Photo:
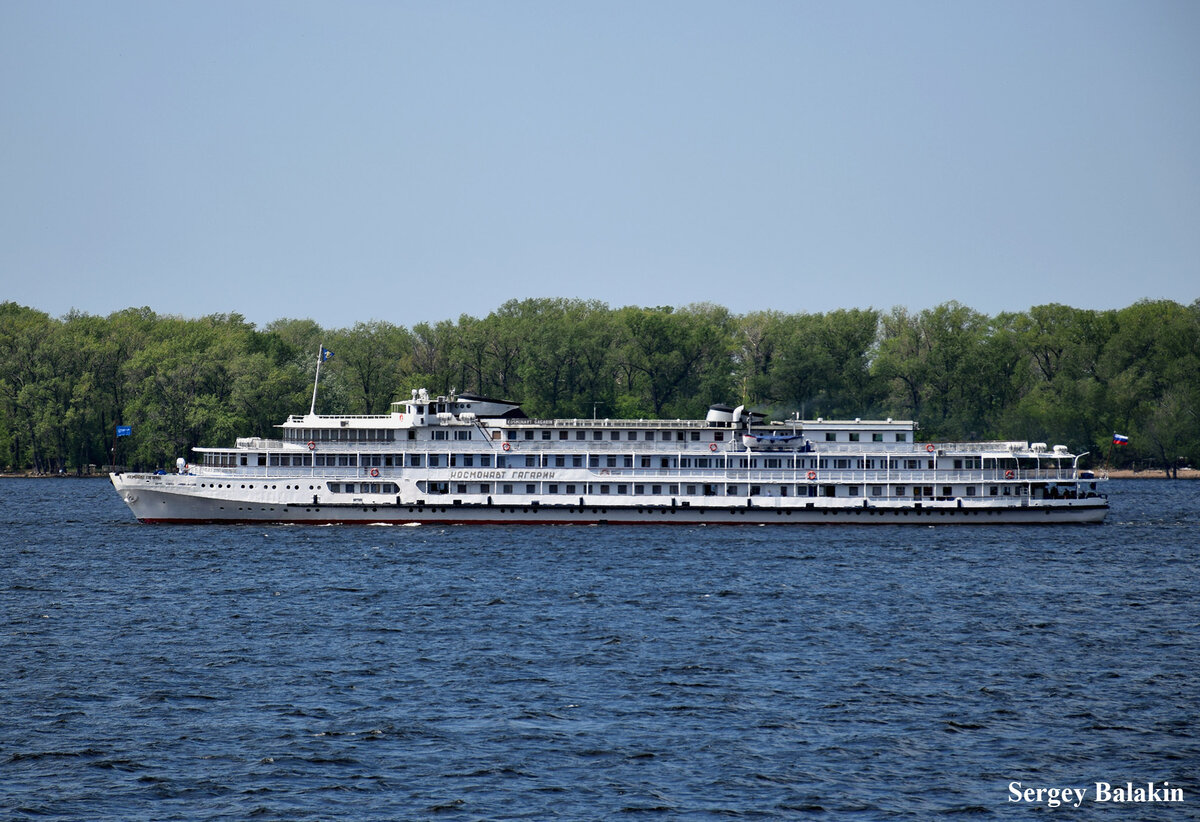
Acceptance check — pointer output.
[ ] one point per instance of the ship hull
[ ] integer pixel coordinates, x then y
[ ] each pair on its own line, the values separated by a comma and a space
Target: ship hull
182, 505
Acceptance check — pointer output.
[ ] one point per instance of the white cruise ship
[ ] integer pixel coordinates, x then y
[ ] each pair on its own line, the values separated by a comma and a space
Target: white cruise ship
467, 459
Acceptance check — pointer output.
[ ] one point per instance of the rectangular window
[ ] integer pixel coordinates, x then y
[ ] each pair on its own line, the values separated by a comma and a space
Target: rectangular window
830, 436
462, 435
507, 489
434, 460
439, 435
649, 436
853, 436
562, 435
718, 436
552, 488
899, 490
528, 435
853, 490
877, 438
614, 435
902, 438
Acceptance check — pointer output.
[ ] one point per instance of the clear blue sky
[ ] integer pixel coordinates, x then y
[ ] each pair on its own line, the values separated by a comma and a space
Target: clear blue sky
411, 162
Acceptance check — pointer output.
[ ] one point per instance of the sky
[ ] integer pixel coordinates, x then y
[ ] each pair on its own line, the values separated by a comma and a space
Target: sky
415, 161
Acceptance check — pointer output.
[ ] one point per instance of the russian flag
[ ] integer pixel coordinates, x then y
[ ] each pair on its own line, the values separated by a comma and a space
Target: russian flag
1120, 439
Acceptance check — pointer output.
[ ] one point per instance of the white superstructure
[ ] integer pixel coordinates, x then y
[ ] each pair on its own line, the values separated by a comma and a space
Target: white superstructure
470, 459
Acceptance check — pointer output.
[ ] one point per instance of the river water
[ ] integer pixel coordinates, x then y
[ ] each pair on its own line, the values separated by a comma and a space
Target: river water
884, 672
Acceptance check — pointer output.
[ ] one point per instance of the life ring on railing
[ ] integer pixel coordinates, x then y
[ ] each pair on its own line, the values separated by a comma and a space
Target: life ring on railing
712, 446
506, 447
1008, 474
931, 448
374, 472
812, 475
312, 446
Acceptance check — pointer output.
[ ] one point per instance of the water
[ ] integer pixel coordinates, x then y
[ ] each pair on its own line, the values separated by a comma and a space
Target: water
157, 673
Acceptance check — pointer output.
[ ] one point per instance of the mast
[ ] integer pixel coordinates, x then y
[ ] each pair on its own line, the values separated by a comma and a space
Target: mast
322, 355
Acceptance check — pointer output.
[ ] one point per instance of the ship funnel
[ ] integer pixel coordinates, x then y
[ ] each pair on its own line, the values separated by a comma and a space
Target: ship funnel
719, 413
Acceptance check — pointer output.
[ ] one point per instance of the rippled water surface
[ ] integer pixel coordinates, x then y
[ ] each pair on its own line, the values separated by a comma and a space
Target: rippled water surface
902, 672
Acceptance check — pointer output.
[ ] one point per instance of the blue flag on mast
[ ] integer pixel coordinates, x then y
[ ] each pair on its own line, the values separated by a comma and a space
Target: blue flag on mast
325, 353
124, 430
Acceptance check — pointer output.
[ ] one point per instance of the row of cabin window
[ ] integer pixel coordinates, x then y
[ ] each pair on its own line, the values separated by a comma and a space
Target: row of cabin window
710, 490
615, 436
389, 435
228, 460
340, 434
856, 436
364, 488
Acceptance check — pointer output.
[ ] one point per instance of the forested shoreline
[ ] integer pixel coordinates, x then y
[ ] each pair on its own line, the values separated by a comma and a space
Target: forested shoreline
1053, 373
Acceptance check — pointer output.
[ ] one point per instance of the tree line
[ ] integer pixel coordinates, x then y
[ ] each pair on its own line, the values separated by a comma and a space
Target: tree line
1052, 373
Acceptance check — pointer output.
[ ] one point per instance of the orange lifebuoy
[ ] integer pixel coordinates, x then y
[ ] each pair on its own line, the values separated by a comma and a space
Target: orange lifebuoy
312, 446
374, 472
712, 446
507, 447
931, 448
1008, 474
812, 475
